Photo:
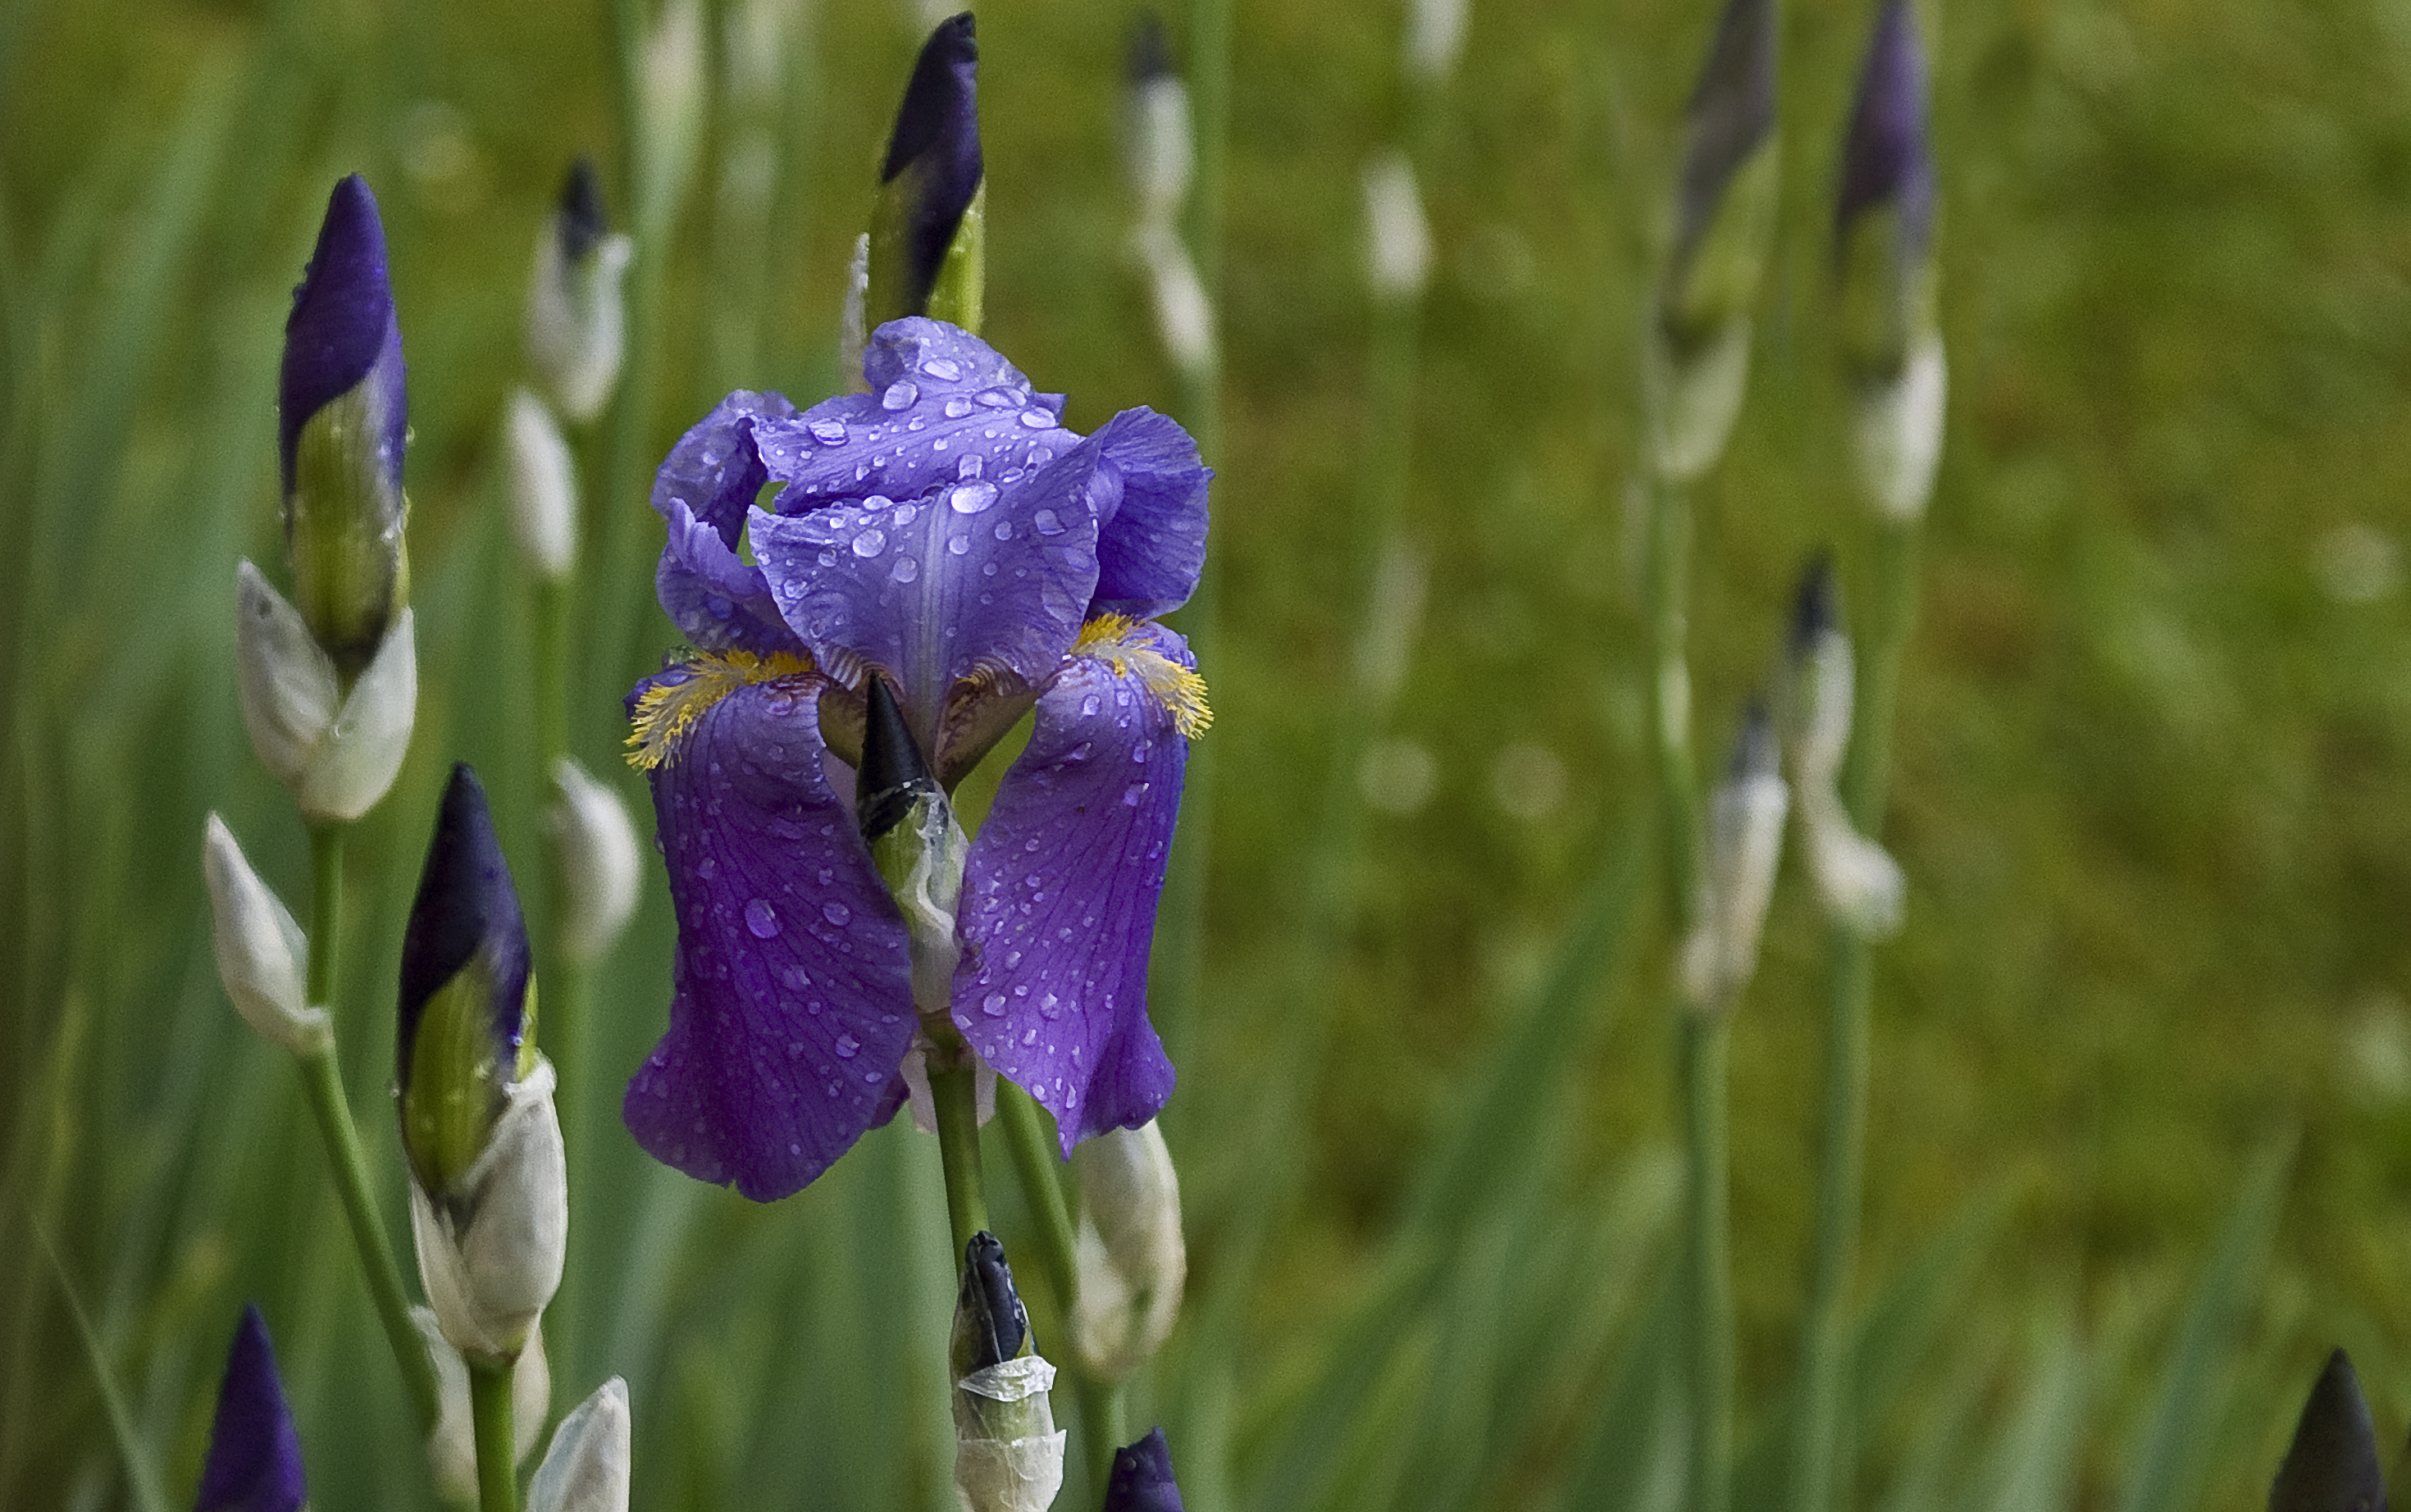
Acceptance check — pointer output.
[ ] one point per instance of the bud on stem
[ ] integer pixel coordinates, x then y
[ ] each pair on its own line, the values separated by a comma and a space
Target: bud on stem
926, 231
1008, 1452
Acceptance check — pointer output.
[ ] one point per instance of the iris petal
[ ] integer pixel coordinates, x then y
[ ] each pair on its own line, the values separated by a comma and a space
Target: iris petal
791, 995
1151, 548
703, 490
1060, 887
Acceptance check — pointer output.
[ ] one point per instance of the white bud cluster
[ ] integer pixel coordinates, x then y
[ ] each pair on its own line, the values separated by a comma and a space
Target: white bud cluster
262, 954
335, 752
490, 1252
1132, 1259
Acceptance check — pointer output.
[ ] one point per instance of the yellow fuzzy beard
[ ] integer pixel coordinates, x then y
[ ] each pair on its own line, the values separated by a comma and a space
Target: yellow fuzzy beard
1107, 638
667, 712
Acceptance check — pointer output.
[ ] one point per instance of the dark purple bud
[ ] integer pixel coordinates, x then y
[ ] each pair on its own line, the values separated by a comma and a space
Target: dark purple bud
1150, 51
342, 330
933, 165
1886, 158
581, 218
1816, 606
893, 776
255, 1462
1142, 1480
1732, 114
2332, 1465
990, 1326
463, 931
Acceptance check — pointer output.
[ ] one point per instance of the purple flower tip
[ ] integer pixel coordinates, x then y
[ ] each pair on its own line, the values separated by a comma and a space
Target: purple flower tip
1151, 51
255, 1462
581, 219
2333, 1465
937, 138
467, 909
1816, 605
1887, 155
1142, 1480
342, 328
1733, 111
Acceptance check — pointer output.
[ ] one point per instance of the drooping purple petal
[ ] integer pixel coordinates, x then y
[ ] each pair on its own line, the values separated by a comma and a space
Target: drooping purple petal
791, 1006
703, 491
943, 408
933, 588
1151, 547
255, 1463
1886, 156
1060, 887
342, 329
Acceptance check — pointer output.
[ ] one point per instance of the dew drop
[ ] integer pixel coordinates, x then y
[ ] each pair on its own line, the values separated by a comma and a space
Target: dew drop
969, 467
848, 1047
836, 913
1091, 707
870, 543
1037, 419
905, 570
945, 369
999, 398
900, 395
993, 1005
1047, 522
828, 432
958, 407
971, 496
958, 545
707, 868
1132, 793
762, 918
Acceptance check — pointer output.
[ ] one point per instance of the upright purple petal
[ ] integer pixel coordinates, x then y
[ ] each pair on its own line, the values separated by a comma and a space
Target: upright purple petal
342, 329
1887, 156
255, 1462
1152, 546
1060, 887
967, 576
703, 491
791, 998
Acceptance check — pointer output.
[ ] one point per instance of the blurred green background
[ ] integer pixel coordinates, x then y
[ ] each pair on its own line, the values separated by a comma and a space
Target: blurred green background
2153, 786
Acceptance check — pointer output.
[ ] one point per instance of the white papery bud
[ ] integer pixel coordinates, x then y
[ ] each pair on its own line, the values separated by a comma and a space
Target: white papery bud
1745, 816
1398, 244
336, 753
586, 1469
577, 321
489, 1254
852, 328
600, 865
1858, 883
1021, 1474
452, 1448
1899, 433
1823, 687
1184, 316
262, 953
543, 488
1161, 153
1132, 1259
1694, 397
1435, 36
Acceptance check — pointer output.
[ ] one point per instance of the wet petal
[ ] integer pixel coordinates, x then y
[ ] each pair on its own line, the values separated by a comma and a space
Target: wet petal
1151, 547
791, 1006
943, 408
934, 589
1061, 889
703, 491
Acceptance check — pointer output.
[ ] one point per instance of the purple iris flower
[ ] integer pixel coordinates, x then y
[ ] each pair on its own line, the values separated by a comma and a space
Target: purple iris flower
944, 533
255, 1462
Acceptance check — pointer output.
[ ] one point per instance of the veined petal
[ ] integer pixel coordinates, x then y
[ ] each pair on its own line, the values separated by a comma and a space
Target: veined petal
1152, 546
790, 1005
970, 579
703, 491
1061, 887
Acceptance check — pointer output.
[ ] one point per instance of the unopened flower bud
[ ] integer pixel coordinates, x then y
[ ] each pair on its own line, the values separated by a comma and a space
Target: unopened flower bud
1156, 140
261, 952
577, 315
452, 1446
1744, 841
489, 1187
1132, 1259
342, 421
1397, 238
255, 1462
1435, 37
915, 841
1897, 428
1819, 681
601, 870
2333, 1465
927, 229
1141, 1479
1858, 884
1008, 1452
586, 1469
336, 752
544, 489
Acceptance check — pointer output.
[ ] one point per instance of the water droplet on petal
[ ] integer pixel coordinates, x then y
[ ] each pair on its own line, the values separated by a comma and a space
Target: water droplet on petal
993, 1005
1038, 419
836, 913
707, 867
762, 918
828, 432
969, 467
905, 570
972, 497
1047, 522
943, 369
870, 543
848, 1047
999, 398
900, 395
958, 407
1132, 793
1004, 529
958, 545
1091, 707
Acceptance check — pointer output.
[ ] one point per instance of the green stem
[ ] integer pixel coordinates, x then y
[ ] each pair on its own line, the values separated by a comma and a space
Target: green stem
1104, 1422
1670, 695
552, 679
1821, 1454
1706, 1219
322, 1080
489, 1412
954, 1089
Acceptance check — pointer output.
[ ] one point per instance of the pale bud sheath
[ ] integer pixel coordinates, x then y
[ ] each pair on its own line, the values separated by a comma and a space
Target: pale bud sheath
578, 323
599, 861
1435, 37
336, 752
491, 1253
261, 952
452, 1446
1898, 431
1161, 152
1744, 842
1398, 246
1008, 1452
544, 489
852, 323
1132, 1259
586, 1469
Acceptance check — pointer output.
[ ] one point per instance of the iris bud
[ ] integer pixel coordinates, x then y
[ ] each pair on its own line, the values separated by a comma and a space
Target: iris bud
544, 489
1141, 1479
335, 749
1160, 158
452, 1446
342, 421
586, 1468
488, 1188
577, 316
595, 846
255, 1463
2332, 1463
1132, 1259
261, 952
1008, 1452
1398, 247
1858, 884
1745, 817
1698, 351
915, 841
926, 229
